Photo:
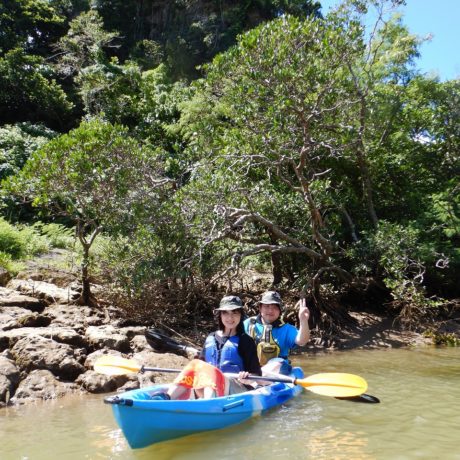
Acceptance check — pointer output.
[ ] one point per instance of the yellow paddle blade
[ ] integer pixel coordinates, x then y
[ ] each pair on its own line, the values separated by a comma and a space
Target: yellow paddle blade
334, 384
115, 365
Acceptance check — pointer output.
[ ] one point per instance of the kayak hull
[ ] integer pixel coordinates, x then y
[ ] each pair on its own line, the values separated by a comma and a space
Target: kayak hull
144, 421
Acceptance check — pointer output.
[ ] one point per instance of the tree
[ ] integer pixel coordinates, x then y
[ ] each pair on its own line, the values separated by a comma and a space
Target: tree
28, 91
31, 25
97, 176
84, 45
17, 143
283, 94
292, 128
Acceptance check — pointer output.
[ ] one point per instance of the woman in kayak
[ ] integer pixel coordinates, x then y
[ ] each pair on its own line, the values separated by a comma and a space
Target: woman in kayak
229, 349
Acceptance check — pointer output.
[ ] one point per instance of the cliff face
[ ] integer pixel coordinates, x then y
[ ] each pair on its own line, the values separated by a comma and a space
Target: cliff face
189, 32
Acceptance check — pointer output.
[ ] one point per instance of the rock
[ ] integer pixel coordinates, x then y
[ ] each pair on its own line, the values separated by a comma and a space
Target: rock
10, 316
11, 298
4, 276
93, 357
93, 382
59, 334
42, 290
37, 352
33, 320
77, 317
139, 343
107, 337
100, 383
14, 317
131, 331
9, 378
42, 384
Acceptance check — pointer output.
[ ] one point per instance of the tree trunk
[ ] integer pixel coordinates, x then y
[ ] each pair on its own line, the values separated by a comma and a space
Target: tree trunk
362, 163
277, 267
86, 288
86, 297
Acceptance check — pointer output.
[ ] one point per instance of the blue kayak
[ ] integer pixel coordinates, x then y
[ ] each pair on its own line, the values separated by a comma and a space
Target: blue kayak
145, 421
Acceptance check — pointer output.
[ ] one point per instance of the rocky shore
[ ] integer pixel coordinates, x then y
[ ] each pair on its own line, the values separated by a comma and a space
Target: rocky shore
48, 344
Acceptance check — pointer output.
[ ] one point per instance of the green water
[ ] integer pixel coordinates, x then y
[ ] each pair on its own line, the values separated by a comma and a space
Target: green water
418, 418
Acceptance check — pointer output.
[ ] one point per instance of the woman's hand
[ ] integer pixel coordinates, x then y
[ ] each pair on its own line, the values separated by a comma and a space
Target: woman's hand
242, 375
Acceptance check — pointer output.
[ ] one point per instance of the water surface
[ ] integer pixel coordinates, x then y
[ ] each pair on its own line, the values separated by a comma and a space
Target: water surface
418, 418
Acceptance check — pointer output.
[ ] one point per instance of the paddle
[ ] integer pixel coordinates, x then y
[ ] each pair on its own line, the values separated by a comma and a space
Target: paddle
161, 342
326, 384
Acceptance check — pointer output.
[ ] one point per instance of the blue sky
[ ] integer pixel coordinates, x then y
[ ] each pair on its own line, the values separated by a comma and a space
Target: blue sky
440, 18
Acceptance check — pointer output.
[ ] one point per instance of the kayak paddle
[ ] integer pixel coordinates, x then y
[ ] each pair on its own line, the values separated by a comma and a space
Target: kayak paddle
326, 384
116, 365
162, 343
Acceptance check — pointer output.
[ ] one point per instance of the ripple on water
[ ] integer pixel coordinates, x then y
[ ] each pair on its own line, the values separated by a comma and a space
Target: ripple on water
417, 418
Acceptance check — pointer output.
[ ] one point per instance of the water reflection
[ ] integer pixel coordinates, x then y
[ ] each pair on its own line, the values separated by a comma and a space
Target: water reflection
418, 418
330, 443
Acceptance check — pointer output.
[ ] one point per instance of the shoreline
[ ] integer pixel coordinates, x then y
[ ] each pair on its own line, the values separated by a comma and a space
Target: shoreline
48, 343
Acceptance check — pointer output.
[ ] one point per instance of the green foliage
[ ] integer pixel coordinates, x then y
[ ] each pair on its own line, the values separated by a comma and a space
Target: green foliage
17, 143
148, 54
396, 254
31, 24
450, 340
190, 33
147, 102
13, 267
84, 44
305, 111
112, 91
11, 241
29, 92
21, 242
96, 174
98, 177
310, 136
57, 235
446, 209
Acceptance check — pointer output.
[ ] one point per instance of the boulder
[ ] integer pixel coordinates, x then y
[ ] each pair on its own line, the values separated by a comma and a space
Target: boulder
93, 382
10, 316
42, 384
139, 343
11, 298
42, 290
107, 337
59, 334
9, 378
4, 277
38, 352
77, 317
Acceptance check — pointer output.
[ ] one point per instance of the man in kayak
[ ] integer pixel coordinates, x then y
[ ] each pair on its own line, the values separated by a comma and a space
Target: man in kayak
275, 338
229, 349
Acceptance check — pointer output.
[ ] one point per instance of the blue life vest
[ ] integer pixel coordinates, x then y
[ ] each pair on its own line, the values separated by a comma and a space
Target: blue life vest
282, 334
227, 358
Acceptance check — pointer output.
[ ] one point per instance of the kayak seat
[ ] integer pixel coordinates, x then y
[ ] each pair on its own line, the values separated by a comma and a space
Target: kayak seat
160, 396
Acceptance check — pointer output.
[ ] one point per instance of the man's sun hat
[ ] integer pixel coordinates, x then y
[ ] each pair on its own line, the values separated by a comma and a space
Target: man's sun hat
230, 302
271, 297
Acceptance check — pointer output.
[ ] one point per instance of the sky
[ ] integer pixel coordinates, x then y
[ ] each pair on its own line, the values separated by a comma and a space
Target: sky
440, 18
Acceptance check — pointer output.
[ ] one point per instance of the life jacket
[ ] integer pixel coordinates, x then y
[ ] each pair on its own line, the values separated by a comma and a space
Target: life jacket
226, 358
267, 348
